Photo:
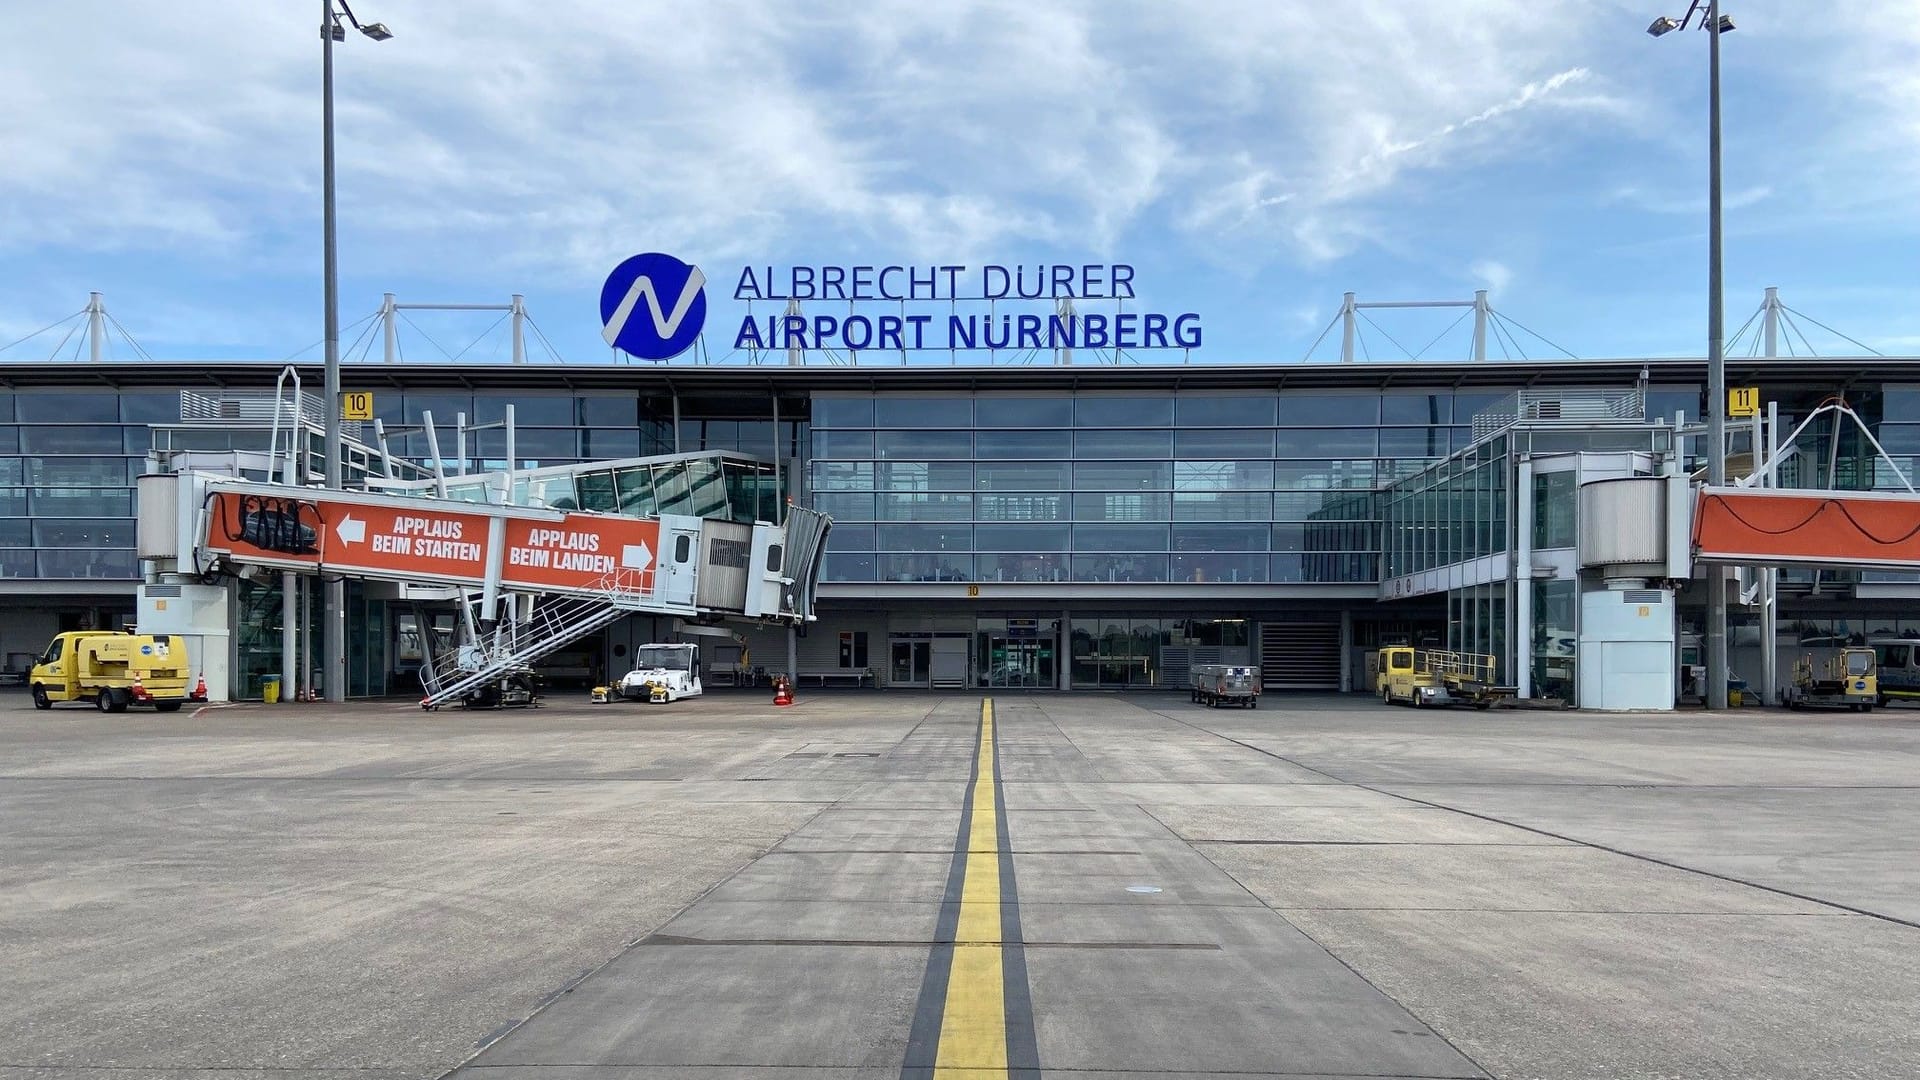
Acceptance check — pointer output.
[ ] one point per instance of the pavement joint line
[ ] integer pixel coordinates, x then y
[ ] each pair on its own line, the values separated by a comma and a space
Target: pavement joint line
942, 851
574, 983
1370, 843
1585, 911
1335, 957
1653, 859
676, 941
926, 1073
1646, 786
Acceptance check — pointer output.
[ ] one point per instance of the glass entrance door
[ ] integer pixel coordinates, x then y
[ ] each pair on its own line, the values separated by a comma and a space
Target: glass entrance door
1017, 663
911, 661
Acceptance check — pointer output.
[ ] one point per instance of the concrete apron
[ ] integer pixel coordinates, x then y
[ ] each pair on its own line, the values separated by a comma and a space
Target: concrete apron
927, 926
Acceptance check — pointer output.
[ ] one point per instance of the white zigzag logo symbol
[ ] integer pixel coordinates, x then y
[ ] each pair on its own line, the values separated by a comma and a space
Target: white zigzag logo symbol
664, 325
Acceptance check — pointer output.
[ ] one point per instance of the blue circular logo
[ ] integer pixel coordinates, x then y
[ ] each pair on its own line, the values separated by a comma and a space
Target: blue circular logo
653, 306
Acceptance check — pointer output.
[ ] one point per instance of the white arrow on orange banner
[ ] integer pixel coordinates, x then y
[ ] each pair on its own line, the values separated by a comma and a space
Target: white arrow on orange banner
636, 556
350, 530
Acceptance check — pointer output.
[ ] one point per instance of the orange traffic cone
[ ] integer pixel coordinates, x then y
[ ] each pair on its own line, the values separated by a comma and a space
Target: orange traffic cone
139, 689
782, 692
200, 687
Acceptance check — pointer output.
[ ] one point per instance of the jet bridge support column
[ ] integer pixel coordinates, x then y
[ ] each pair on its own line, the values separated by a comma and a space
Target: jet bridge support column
497, 536
289, 581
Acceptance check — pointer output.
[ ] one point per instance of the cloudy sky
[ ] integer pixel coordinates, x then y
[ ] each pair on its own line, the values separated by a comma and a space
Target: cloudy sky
1252, 160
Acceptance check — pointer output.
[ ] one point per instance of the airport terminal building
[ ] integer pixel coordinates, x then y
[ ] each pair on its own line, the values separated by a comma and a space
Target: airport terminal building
1043, 527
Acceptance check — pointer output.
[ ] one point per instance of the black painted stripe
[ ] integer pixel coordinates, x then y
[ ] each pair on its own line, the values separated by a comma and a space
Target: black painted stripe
923, 1038
1023, 1051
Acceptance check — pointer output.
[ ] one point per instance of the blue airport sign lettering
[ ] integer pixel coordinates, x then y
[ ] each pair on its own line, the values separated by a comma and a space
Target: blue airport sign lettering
991, 282
653, 306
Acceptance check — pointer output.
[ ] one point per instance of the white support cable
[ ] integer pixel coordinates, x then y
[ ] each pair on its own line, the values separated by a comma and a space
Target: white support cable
1738, 334
1831, 330
44, 329
1787, 335
1403, 349
1505, 336
1533, 333
481, 337
55, 354
1307, 358
1499, 340
137, 347
1506, 339
1794, 328
548, 345
366, 335
295, 355
1458, 319
430, 338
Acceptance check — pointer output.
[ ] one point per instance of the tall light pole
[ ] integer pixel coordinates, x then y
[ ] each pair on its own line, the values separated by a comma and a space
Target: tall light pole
1714, 24
333, 651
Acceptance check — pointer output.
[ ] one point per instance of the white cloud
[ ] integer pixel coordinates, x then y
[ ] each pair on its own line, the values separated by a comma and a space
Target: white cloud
1688, 204
1494, 275
1350, 106
501, 145
548, 139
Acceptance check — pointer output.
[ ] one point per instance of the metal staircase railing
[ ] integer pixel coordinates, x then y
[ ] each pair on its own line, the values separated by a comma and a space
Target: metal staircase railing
514, 646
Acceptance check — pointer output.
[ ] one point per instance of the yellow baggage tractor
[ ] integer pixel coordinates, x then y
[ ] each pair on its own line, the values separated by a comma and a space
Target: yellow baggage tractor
1846, 680
1438, 677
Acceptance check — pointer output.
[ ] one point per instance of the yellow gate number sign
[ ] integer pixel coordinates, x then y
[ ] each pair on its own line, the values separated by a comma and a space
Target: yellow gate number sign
356, 405
1743, 401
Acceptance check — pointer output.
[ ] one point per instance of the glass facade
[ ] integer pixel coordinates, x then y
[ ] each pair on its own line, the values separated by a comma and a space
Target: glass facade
1450, 513
1071, 488
68, 460
1114, 488
709, 486
549, 429
1137, 651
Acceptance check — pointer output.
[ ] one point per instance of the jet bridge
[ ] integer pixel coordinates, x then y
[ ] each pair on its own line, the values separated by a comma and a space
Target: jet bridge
532, 579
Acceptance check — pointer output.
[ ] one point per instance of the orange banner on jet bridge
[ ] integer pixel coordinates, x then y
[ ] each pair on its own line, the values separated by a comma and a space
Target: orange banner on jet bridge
1789, 527
583, 552
425, 542
274, 529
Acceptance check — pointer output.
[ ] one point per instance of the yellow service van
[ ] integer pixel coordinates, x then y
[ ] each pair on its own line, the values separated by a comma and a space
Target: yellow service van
113, 670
